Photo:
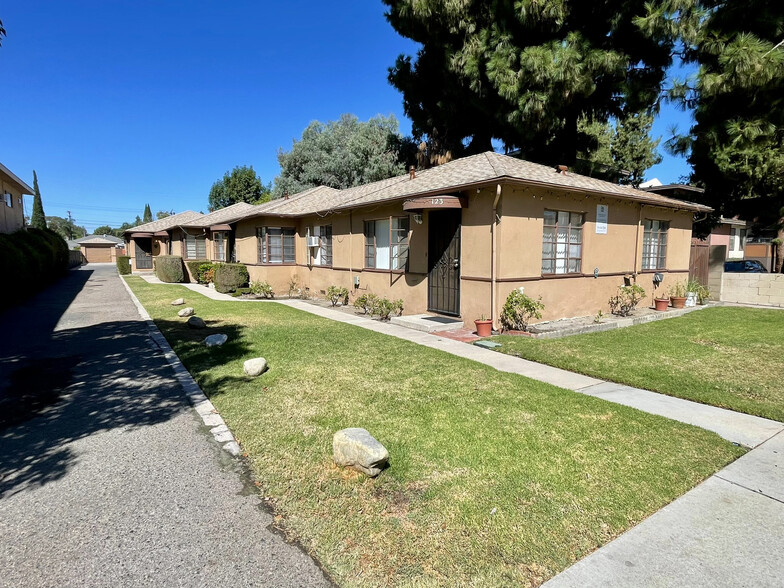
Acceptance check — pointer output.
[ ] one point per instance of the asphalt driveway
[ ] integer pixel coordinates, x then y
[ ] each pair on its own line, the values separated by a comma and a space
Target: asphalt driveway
107, 475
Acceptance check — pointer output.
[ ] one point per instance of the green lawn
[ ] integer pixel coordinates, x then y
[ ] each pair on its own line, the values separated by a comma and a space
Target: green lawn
495, 480
726, 356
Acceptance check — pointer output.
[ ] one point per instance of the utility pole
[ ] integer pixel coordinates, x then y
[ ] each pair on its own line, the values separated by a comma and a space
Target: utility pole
70, 225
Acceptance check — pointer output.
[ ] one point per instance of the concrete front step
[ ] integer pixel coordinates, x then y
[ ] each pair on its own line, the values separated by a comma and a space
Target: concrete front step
427, 323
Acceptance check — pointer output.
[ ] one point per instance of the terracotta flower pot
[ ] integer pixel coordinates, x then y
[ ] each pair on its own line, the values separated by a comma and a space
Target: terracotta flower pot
484, 328
661, 303
678, 301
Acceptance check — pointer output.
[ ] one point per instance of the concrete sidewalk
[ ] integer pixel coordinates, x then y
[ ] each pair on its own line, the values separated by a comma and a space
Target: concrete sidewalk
113, 480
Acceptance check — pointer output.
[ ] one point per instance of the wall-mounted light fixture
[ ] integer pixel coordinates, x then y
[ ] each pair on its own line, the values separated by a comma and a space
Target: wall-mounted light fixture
418, 218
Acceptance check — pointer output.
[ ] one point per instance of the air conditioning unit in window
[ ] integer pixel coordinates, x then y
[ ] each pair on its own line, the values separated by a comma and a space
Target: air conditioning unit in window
313, 242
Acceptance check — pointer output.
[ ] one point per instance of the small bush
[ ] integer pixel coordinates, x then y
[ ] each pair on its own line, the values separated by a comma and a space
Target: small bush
397, 306
262, 289
170, 269
337, 294
124, 265
702, 292
518, 311
677, 290
626, 300
230, 276
193, 268
365, 303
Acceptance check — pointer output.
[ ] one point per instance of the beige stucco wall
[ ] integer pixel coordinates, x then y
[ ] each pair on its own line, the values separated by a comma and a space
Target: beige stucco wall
11, 218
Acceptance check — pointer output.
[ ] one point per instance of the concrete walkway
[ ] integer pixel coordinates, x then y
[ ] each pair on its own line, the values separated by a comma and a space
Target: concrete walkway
107, 475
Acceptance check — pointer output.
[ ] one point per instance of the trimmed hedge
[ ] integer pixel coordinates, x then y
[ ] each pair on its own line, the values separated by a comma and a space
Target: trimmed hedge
170, 269
30, 259
194, 268
230, 276
124, 265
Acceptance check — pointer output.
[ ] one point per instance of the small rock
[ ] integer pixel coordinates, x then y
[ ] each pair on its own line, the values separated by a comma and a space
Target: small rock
255, 367
187, 311
216, 340
358, 449
196, 323
178, 302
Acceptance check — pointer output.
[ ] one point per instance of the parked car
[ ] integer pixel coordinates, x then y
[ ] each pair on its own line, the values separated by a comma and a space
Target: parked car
745, 265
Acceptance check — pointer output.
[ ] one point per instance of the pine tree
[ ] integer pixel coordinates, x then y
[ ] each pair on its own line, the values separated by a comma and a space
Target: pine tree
38, 219
147, 214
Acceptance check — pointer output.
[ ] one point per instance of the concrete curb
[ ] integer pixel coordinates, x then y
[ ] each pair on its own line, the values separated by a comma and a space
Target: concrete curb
205, 409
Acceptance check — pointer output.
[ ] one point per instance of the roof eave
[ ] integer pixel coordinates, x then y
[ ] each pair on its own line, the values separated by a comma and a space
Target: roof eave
22, 185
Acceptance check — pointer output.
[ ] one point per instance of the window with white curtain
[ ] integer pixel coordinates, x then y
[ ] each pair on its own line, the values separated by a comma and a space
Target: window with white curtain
654, 244
562, 242
195, 247
276, 244
220, 239
323, 253
386, 243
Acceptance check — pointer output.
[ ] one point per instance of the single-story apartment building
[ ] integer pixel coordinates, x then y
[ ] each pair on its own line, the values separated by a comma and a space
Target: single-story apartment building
12, 191
455, 239
101, 248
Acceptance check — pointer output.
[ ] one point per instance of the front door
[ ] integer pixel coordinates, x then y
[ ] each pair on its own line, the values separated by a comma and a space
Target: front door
443, 293
143, 253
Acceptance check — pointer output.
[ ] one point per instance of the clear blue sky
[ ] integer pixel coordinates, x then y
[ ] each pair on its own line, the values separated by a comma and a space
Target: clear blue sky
116, 103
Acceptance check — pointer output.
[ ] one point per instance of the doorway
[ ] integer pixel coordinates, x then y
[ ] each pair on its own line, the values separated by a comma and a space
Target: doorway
443, 294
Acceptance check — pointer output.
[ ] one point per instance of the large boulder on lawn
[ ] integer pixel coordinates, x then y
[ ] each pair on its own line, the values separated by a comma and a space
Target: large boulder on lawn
216, 340
196, 323
358, 449
178, 302
187, 311
255, 367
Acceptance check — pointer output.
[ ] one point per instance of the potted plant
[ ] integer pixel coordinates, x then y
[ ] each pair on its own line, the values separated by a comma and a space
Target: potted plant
661, 304
484, 327
678, 295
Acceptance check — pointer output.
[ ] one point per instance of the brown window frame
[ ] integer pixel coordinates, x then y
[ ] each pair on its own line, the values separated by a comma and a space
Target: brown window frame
570, 229
196, 238
371, 248
661, 244
215, 257
263, 245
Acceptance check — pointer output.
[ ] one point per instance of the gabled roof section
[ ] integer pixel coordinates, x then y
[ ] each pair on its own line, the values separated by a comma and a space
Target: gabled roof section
100, 240
228, 214
169, 222
305, 200
14, 179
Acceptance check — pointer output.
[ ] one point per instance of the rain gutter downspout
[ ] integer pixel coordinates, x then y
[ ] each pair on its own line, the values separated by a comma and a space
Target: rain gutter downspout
493, 304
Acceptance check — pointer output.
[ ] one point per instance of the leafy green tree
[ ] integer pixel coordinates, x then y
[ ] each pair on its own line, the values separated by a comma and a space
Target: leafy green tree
163, 214
38, 220
736, 145
66, 228
104, 230
147, 218
240, 185
343, 153
526, 72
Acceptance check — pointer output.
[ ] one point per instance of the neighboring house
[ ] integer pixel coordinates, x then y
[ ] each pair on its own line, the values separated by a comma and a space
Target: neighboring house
457, 238
730, 232
12, 191
101, 248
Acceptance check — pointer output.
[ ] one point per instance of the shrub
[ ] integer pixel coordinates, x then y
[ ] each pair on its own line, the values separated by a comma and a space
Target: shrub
294, 290
336, 294
124, 265
30, 259
518, 310
702, 292
626, 300
365, 303
677, 290
230, 276
397, 306
262, 289
193, 268
170, 269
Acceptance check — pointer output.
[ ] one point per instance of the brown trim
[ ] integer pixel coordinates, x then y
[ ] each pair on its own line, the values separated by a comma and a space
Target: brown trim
268, 264
664, 271
435, 202
547, 277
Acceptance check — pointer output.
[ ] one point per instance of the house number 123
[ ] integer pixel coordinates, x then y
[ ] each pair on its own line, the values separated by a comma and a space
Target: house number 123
436, 201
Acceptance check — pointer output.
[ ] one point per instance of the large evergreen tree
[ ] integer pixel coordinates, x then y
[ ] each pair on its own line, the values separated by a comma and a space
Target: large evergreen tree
2, 32
343, 153
147, 217
736, 145
241, 184
526, 72
38, 220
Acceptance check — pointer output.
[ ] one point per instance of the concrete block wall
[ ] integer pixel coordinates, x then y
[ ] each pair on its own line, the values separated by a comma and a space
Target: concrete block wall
764, 289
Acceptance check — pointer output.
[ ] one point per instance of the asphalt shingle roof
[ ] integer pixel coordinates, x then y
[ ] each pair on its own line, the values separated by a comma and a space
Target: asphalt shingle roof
99, 240
164, 224
223, 215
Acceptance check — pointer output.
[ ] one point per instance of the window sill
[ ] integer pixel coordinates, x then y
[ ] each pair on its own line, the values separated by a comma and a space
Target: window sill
382, 271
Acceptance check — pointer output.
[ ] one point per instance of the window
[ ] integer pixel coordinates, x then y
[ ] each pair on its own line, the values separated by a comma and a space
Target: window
276, 245
323, 254
9, 200
386, 243
195, 247
562, 242
737, 241
654, 244
219, 245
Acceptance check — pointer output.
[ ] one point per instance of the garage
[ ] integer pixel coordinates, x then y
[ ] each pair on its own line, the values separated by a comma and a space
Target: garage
100, 248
